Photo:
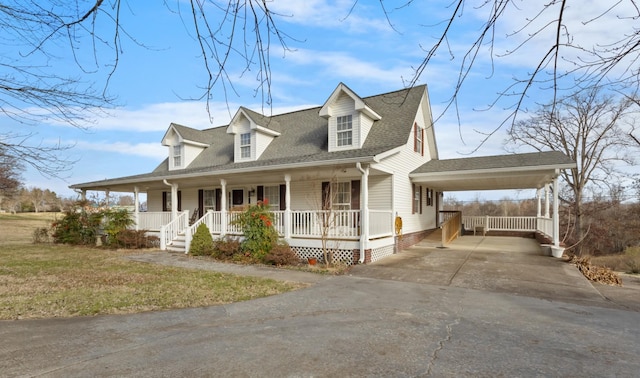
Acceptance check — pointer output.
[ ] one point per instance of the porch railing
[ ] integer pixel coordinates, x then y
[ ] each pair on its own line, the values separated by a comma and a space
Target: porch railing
525, 224
337, 224
171, 230
330, 223
153, 220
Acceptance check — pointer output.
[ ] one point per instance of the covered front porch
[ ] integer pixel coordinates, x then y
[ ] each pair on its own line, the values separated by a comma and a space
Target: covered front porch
328, 206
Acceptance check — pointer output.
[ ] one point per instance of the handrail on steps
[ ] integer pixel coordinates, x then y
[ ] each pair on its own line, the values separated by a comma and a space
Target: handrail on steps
171, 230
452, 227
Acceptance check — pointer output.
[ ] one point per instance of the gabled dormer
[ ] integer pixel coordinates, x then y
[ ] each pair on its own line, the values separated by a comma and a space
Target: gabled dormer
252, 134
350, 119
184, 143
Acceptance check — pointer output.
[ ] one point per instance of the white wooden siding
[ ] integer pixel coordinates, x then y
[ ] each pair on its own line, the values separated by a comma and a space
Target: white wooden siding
189, 153
380, 192
261, 143
154, 200
401, 164
365, 124
306, 195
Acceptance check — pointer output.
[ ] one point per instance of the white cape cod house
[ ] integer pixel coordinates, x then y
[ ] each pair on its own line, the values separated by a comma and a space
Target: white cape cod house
362, 162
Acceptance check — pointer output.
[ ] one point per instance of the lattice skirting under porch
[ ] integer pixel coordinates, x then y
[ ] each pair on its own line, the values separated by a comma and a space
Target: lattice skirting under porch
346, 256
378, 253
337, 255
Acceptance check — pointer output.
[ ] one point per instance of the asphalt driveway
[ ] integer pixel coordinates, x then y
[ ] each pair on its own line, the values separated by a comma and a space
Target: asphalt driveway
437, 316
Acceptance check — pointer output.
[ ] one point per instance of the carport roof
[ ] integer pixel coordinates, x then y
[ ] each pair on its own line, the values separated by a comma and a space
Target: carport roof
515, 171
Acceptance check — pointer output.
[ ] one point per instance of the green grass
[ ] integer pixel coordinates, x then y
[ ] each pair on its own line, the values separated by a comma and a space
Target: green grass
43, 281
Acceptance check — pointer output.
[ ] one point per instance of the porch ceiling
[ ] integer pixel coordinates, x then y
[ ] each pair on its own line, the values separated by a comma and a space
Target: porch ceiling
518, 171
212, 179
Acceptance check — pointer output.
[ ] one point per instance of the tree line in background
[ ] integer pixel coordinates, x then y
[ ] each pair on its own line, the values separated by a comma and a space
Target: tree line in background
19, 199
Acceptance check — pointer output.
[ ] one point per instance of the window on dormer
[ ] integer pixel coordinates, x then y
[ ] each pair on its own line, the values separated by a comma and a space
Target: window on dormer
245, 145
345, 130
177, 156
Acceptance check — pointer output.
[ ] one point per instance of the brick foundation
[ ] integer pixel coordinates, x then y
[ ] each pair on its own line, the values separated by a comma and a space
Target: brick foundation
356, 256
407, 240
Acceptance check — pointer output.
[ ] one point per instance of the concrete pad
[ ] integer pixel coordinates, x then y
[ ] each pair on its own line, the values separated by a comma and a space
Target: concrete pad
499, 264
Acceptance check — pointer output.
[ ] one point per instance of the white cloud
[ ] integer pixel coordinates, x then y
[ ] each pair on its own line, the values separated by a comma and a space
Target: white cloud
157, 117
332, 14
344, 65
149, 150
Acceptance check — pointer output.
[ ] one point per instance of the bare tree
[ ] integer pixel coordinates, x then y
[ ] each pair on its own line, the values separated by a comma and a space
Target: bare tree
587, 127
41, 38
9, 172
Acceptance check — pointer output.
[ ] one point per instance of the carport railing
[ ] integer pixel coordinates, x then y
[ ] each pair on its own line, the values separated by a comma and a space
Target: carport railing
524, 224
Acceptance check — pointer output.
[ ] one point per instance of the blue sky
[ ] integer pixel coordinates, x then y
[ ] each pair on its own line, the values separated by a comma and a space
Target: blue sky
330, 45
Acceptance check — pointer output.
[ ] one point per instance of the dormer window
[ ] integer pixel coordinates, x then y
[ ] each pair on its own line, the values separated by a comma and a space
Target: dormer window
345, 130
177, 156
245, 145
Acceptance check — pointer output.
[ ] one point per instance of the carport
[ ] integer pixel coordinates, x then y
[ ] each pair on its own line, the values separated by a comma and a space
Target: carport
538, 170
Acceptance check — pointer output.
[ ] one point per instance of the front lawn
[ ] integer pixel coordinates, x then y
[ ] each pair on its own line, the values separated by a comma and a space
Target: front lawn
43, 281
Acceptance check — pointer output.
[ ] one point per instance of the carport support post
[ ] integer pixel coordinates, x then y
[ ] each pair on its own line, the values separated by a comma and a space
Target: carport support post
223, 207
546, 200
556, 218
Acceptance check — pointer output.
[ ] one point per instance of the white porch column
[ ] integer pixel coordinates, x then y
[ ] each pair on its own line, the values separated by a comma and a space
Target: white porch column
83, 195
364, 210
136, 204
174, 199
287, 208
223, 207
106, 198
539, 198
546, 200
556, 218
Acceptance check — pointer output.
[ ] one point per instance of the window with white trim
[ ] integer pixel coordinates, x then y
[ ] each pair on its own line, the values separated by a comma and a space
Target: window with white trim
418, 139
272, 196
341, 196
208, 200
245, 145
344, 130
177, 155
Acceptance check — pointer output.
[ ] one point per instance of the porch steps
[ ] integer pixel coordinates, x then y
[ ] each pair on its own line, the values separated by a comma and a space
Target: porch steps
177, 244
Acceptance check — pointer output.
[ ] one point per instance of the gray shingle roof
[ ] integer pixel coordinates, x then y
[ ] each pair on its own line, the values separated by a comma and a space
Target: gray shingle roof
534, 159
303, 138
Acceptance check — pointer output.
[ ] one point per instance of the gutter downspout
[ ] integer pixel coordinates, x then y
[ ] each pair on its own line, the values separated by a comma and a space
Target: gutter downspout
364, 210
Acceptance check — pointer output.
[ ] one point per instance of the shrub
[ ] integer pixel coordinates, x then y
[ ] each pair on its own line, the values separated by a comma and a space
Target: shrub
40, 235
115, 222
281, 254
633, 259
259, 234
132, 239
226, 248
78, 226
202, 242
